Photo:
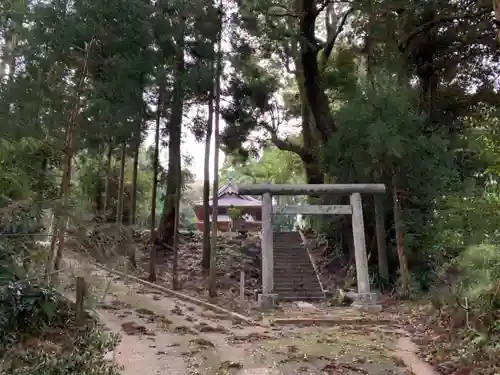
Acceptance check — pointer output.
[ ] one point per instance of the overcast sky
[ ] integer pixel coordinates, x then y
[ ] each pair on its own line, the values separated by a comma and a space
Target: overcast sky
194, 149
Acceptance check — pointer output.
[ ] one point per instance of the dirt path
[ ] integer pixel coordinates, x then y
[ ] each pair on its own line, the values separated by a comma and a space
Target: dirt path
139, 355
163, 335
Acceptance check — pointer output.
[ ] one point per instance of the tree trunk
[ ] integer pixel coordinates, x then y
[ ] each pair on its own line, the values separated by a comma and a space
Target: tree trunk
121, 184
152, 249
399, 229
42, 178
39, 200
212, 282
316, 96
67, 162
312, 166
166, 229
175, 257
383, 265
107, 182
133, 193
205, 263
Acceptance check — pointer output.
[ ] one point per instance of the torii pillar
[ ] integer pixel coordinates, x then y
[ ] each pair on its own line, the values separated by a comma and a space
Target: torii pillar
365, 298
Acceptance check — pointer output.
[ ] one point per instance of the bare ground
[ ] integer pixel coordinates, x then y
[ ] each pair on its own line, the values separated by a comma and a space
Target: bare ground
165, 335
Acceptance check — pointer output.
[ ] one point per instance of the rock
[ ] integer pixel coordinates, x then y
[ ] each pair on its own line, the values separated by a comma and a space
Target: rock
306, 306
110, 357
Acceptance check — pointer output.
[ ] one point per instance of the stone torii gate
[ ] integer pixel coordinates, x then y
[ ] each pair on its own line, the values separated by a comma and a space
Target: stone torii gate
365, 297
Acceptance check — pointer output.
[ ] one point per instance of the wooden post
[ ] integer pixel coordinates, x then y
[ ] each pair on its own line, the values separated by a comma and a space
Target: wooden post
381, 244
242, 287
358, 232
81, 293
267, 244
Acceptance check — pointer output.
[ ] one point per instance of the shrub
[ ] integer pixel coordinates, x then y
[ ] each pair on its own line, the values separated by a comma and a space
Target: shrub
40, 334
479, 277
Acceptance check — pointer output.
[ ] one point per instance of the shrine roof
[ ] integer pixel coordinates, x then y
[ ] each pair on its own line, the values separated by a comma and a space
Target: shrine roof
227, 196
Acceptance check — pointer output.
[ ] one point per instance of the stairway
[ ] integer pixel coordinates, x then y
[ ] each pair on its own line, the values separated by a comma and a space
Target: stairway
294, 275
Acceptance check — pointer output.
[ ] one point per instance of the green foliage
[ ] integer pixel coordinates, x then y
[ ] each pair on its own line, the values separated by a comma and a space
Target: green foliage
235, 213
187, 217
91, 174
382, 135
479, 281
251, 89
469, 220
85, 356
340, 77
26, 307
19, 172
31, 311
273, 165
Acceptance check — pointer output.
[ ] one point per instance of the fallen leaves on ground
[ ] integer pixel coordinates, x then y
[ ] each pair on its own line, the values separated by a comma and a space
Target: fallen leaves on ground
234, 255
451, 350
132, 328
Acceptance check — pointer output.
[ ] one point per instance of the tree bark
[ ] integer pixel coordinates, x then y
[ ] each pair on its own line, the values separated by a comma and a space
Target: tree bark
205, 262
166, 229
212, 282
107, 182
312, 164
383, 265
175, 257
152, 249
135, 173
67, 161
121, 184
399, 229
42, 178
315, 93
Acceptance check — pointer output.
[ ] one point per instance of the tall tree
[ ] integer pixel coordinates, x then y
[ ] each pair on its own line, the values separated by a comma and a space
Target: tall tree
212, 282
205, 263
166, 229
68, 153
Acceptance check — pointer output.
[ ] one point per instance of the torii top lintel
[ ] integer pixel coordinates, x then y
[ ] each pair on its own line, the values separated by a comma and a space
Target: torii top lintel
310, 189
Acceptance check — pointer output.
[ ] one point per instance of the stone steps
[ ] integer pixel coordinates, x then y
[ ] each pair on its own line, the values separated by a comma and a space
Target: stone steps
294, 275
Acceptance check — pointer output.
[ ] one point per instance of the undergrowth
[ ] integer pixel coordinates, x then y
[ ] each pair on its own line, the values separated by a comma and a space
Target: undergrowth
39, 330
466, 293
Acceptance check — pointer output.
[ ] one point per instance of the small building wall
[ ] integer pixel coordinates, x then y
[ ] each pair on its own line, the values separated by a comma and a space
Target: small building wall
255, 212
